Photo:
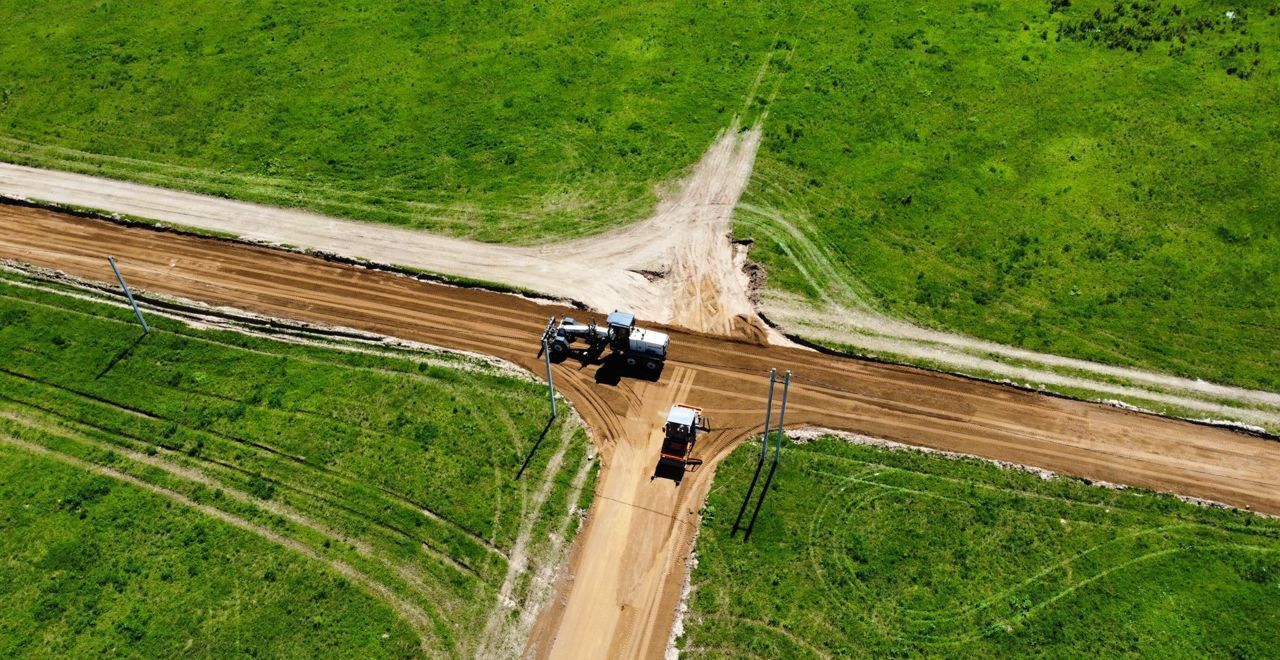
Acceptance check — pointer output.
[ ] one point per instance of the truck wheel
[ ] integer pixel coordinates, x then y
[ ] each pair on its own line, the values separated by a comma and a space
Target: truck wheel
651, 365
631, 362
559, 348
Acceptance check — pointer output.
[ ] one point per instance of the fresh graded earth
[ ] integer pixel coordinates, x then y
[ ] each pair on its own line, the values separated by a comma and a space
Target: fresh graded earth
677, 266
628, 565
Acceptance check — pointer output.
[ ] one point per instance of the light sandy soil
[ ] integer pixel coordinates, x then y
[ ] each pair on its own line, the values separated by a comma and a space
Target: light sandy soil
698, 282
621, 590
845, 315
617, 602
876, 334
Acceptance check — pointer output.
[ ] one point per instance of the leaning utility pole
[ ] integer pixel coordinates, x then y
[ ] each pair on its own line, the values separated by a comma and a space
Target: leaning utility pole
551, 386
764, 446
777, 451
129, 295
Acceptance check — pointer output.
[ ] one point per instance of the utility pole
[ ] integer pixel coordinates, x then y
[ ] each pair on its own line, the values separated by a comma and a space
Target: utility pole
129, 295
551, 397
782, 419
764, 446
551, 386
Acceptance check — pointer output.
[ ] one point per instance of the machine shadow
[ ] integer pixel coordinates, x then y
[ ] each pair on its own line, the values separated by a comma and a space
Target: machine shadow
662, 470
613, 368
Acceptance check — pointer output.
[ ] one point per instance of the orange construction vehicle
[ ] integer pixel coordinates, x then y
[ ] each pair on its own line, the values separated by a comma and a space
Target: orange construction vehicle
679, 435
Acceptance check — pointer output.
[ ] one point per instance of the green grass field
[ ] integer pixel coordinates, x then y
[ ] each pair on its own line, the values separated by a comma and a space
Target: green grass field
1084, 178
1004, 170
95, 568
869, 552
377, 487
482, 120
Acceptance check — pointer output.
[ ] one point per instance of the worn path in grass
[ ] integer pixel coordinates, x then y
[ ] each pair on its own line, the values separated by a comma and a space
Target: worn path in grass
411, 613
628, 565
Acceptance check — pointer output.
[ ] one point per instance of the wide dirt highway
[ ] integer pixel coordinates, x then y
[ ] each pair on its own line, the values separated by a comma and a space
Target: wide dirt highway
628, 564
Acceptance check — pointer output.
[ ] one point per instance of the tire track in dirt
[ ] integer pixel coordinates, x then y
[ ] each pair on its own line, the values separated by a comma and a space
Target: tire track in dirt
725, 376
697, 276
688, 233
845, 316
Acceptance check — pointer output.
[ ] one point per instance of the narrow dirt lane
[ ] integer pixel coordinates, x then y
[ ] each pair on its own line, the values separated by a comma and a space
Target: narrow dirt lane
628, 564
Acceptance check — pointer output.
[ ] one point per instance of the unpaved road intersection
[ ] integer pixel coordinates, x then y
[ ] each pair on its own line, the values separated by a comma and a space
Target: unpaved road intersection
619, 595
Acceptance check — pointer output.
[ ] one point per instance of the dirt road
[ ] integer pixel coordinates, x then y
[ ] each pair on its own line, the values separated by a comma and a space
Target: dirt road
676, 266
624, 581
681, 253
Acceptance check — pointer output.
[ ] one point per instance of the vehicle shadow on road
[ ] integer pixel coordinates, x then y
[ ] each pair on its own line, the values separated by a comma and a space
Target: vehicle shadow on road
614, 368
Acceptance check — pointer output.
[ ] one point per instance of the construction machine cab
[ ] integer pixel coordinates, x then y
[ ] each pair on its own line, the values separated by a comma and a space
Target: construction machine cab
678, 437
620, 326
680, 430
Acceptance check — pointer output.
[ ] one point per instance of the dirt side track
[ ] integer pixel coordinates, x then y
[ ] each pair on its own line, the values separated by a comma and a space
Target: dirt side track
628, 564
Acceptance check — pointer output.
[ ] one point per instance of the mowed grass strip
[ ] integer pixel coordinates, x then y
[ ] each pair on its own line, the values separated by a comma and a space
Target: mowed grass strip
400, 465
870, 552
